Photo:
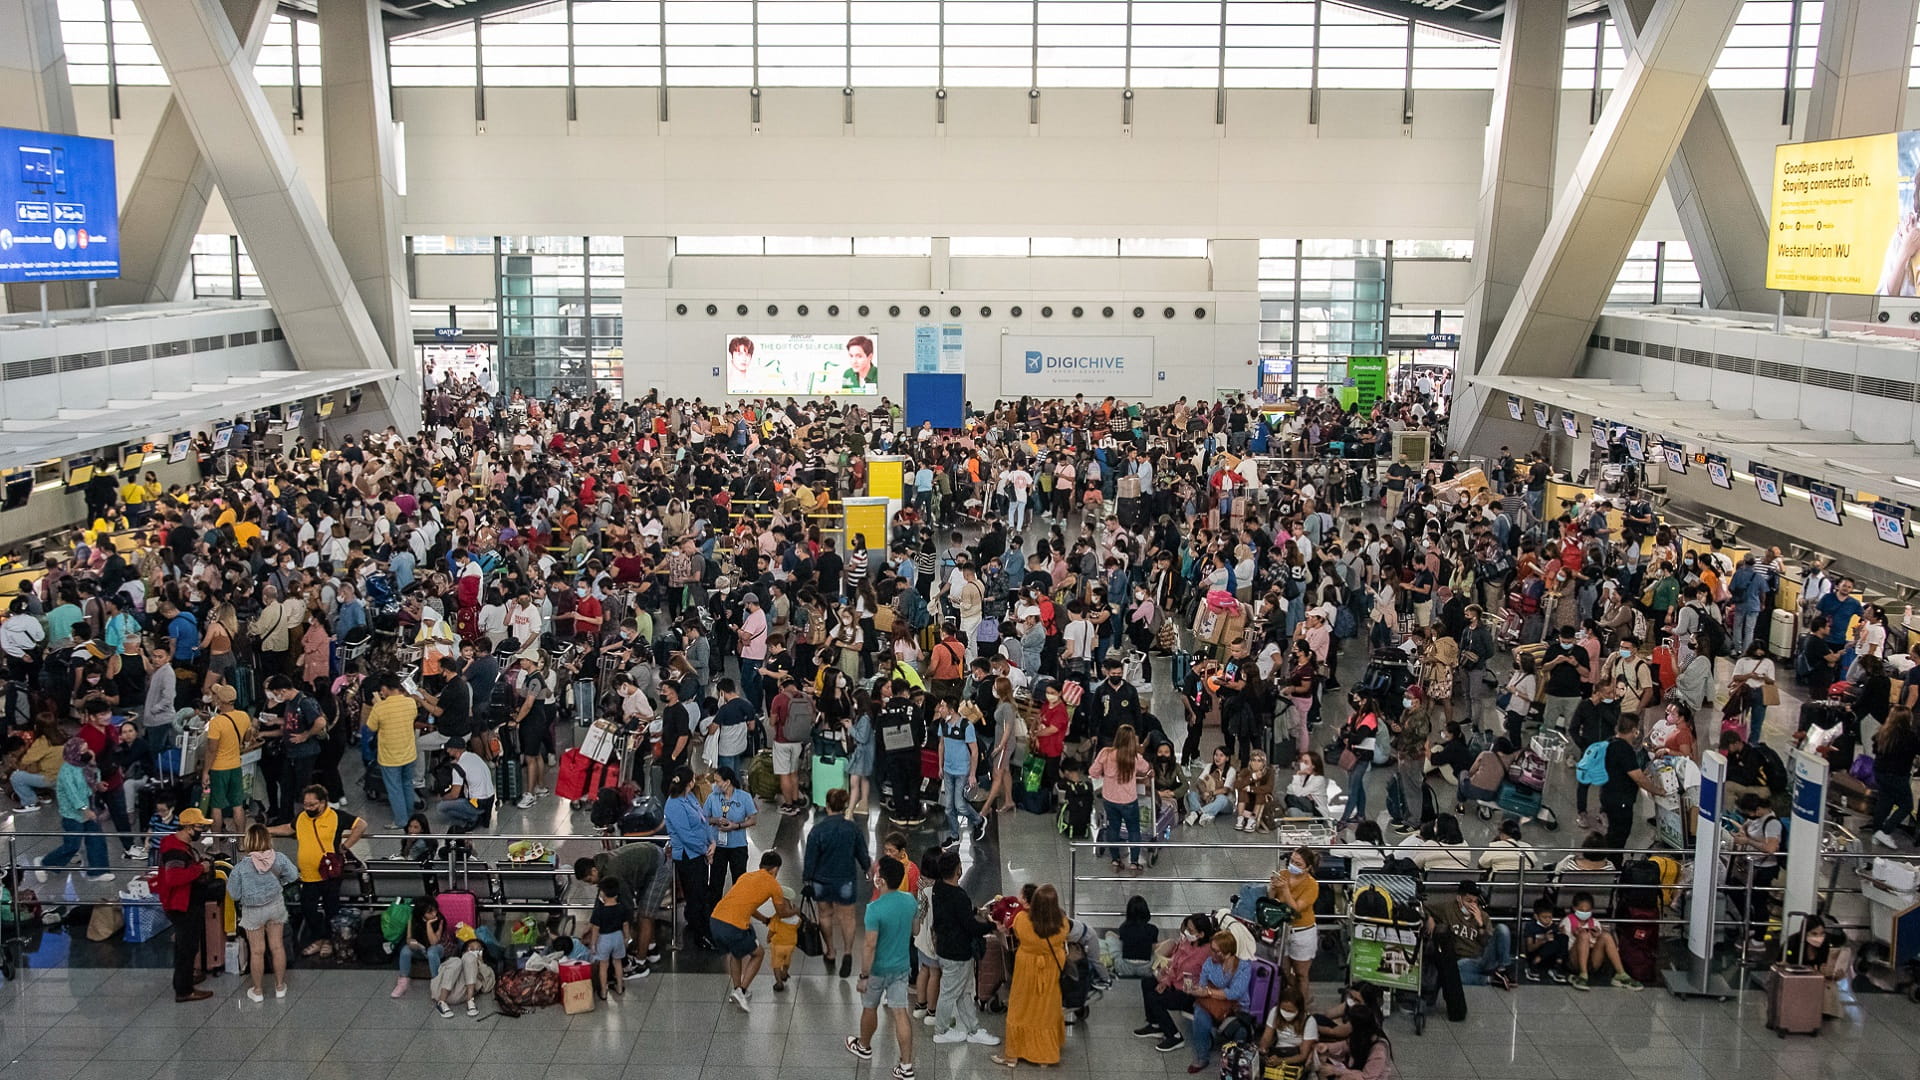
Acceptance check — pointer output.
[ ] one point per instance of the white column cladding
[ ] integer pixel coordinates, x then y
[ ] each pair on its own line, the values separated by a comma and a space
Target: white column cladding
1516, 174
35, 95
168, 199
1725, 225
1234, 269
1605, 200
305, 279
1860, 84
643, 310
363, 186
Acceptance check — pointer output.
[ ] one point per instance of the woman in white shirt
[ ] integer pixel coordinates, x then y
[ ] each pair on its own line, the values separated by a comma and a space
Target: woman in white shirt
1752, 675
1523, 686
1308, 788
1212, 792
1507, 852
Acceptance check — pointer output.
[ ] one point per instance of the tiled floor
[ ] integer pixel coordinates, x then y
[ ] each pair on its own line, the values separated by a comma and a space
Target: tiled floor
340, 1025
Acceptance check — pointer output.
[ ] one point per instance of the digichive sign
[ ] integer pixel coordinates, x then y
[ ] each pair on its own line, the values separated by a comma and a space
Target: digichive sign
1844, 216
1055, 365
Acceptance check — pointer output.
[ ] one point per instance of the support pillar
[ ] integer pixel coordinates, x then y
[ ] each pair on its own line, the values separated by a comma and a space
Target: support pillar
312, 293
1725, 225
363, 177
1860, 84
168, 199
35, 95
1605, 200
1516, 175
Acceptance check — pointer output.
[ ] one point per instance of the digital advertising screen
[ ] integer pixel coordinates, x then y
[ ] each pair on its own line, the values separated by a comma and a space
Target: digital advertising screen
1890, 523
803, 365
178, 447
1826, 502
1600, 432
1539, 415
1636, 445
1513, 407
1676, 457
1767, 483
1843, 216
59, 208
1569, 424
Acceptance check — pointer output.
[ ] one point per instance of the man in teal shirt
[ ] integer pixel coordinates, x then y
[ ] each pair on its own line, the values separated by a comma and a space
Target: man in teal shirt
61, 620
884, 968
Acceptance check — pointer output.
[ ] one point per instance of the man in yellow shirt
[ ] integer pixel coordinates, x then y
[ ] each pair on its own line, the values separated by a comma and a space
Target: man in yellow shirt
220, 773
391, 720
318, 831
731, 923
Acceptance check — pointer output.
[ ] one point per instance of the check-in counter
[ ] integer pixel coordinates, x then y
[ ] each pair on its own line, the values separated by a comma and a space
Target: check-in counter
1697, 540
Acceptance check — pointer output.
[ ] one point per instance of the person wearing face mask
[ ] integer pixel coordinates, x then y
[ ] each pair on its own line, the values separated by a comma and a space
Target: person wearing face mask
1176, 964
1290, 1034
1295, 886
1819, 946
323, 836
1591, 946
1116, 703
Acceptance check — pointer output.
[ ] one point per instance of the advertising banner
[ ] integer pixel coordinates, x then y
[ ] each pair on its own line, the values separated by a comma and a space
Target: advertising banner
1570, 424
1513, 407
953, 348
804, 365
1385, 955
1059, 366
1718, 473
1540, 415
1368, 374
1843, 216
59, 208
1766, 482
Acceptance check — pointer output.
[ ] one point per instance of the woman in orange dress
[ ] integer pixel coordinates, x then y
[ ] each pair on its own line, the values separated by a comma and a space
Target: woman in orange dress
1036, 1024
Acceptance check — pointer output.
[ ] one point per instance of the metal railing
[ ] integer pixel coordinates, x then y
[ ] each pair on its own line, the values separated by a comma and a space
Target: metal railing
1507, 894
375, 879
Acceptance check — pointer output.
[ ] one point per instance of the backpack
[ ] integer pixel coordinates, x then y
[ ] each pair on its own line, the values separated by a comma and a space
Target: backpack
1593, 764
1374, 902
395, 921
800, 715
1713, 636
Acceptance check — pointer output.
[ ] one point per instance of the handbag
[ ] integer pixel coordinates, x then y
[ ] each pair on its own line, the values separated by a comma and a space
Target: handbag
1218, 1008
1770, 693
1348, 759
809, 941
332, 865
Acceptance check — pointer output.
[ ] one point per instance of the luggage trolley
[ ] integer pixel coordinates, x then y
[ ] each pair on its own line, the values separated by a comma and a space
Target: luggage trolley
1387, 952
1523, 792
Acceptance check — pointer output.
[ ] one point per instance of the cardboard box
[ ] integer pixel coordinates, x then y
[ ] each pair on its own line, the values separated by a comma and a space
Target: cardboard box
1129, 487
1467, 485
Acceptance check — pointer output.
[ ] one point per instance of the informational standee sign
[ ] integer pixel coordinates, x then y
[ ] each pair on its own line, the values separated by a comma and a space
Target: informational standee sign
1842, 212
1057, 366
59, 208
1706, 854
1809, 786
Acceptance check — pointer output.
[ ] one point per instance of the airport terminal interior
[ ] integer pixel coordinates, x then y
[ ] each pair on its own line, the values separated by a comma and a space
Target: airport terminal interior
696, 469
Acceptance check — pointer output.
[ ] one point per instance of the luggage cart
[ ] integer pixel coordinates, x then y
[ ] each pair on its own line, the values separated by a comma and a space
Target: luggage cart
1387, 952
1523, 792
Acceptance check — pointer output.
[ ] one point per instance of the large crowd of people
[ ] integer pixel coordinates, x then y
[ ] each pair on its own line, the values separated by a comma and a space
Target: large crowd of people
433, 622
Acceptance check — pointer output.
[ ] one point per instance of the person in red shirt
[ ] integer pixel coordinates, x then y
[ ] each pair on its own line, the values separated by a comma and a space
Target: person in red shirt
182, 878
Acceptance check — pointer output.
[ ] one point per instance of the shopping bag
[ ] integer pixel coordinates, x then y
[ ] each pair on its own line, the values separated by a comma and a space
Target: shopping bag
570, 781
599, 743
577, 997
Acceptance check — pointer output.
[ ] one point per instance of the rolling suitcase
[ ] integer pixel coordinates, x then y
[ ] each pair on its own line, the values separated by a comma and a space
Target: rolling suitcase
1782, 634
828, 773
1797, 995
458, 907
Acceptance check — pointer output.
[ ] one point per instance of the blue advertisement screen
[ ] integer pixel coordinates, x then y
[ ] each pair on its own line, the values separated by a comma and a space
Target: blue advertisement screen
59, 208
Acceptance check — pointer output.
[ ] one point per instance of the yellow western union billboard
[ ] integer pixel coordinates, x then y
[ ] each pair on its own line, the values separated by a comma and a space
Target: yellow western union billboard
1844, 216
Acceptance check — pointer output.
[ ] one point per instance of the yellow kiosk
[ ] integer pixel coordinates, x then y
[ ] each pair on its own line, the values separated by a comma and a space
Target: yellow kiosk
867, 518
886, 476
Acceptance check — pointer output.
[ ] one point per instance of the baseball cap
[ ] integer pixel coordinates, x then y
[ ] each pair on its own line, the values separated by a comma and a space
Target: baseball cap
750, 598
223, 694
192, 816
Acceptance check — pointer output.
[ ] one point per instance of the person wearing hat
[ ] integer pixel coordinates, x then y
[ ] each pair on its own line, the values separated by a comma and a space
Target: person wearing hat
751, 636
1482, 947
182, 884
530, 716
229, 731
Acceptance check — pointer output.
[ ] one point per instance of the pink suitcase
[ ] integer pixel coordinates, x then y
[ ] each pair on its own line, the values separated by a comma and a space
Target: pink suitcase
459, 907
1794, 1000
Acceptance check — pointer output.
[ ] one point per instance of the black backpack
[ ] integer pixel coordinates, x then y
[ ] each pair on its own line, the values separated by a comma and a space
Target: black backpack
1713, 636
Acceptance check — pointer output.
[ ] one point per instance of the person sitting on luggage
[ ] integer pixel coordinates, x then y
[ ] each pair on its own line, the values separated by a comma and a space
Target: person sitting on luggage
1543, 944
1590, 944
1481, 781
1290, 1033
1482, 947
1819, 946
